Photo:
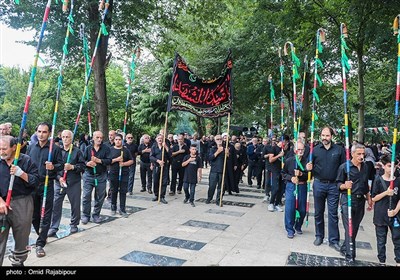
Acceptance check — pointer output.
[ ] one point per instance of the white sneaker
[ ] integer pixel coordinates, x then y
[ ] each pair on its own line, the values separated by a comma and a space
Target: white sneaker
265, 199
271, 208
279, 209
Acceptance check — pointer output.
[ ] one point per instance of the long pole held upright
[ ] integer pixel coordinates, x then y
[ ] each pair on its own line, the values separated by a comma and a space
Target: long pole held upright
271, 103
281, 70
59, 86
225, 159
295, 75
345, 69
162, 156
103, 31
86, 59
131, 77
396, 32
28, 100
315, 98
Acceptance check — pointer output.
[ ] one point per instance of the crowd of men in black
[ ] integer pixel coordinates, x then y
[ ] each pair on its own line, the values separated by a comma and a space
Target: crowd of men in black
278, 165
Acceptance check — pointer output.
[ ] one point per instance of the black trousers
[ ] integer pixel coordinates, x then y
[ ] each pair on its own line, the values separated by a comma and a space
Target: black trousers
156, 181
357, 214
381, 238
37, 206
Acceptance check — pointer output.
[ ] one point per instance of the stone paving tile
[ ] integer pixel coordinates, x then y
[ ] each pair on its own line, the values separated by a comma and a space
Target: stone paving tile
179, 243
223, 212
227, 202
152, 259
208, 225
301, 259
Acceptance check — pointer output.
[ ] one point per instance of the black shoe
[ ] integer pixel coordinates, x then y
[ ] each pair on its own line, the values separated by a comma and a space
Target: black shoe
85, 220
171, 193
185, 200
350, 261
208, 201
74, 229
163, 201
179, 192
142, 190
335, 246
149, 191
155, 198
318, 241
258, 187
52, 233
192, 203
97, 219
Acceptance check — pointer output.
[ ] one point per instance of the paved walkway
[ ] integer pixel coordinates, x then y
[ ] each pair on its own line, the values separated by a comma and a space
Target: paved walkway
242, 233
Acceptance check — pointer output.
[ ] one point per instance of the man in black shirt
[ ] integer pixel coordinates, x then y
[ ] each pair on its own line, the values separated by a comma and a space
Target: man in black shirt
70, 187
179, 151
216, 159
326, 159
97, 158
39, 153
119, 175
159, 156
19, 214
357, 182
144, 150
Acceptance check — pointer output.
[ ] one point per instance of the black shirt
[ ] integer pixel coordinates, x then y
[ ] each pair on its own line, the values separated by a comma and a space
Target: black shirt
326, 162
191, 170
178, 158
156, 154
359, 178
103, 153
39, 156
381, 206
133, 149
289, 167
216, 163
77, 161
275, 166
144, 156
114, 167
20, 187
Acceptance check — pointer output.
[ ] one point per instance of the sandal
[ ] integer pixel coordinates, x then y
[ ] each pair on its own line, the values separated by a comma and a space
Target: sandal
40, 253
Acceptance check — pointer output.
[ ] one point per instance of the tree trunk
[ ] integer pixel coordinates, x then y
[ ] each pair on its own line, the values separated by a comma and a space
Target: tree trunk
99, 66
200, 126
361, 97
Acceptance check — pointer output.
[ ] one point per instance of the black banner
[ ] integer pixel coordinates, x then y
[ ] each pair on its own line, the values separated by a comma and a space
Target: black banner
202, 97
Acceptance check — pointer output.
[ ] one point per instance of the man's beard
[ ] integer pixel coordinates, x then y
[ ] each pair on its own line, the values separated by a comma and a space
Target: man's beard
326, 142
